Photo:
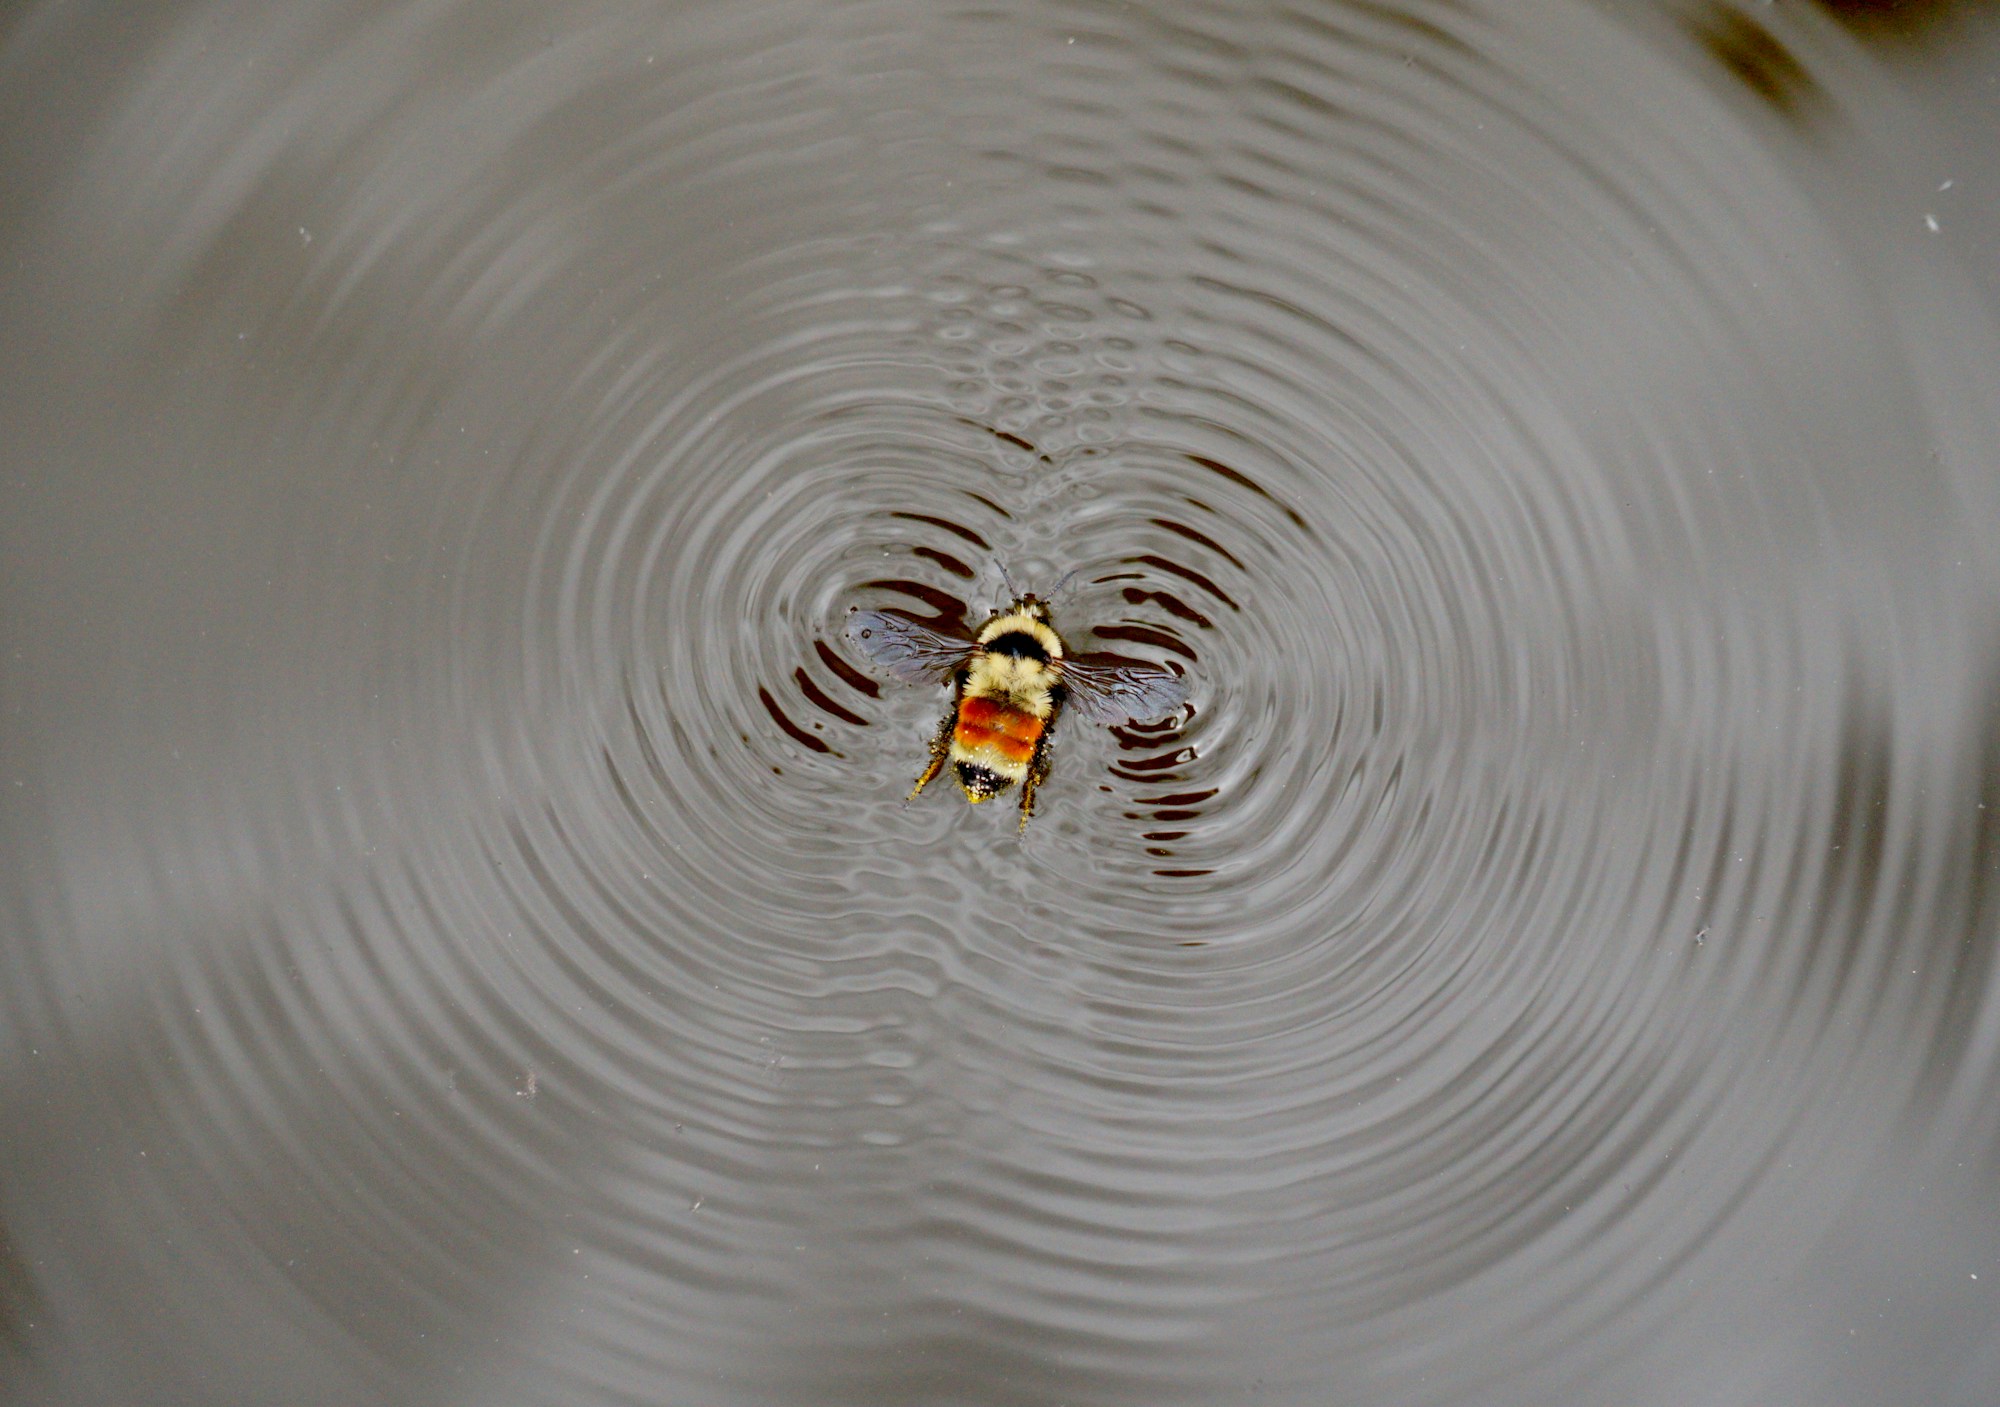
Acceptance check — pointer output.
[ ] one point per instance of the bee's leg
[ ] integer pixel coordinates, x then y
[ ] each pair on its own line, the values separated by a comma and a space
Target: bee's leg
937, 765
1038, 769
940, 750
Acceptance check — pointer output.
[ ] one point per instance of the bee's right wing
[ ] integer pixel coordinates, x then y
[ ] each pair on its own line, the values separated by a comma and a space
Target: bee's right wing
904, 649
1112, 690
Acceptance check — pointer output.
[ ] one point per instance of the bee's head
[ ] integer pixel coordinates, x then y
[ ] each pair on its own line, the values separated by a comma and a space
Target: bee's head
1037, 606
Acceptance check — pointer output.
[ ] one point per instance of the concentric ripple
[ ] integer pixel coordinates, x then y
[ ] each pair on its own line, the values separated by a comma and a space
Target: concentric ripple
467, 893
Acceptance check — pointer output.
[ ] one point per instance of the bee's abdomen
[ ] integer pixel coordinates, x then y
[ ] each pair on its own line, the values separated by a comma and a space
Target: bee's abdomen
987, 729
981, 783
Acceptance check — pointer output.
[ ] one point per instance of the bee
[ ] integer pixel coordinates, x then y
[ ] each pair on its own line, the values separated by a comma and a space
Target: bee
1011, 680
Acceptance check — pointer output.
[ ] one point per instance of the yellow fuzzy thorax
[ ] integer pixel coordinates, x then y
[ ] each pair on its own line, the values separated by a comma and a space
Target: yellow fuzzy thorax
1020, 684
1028, 622
1023, 684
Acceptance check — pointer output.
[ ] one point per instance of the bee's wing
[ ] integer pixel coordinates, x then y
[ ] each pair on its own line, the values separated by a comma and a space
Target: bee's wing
1106, 689
904, 649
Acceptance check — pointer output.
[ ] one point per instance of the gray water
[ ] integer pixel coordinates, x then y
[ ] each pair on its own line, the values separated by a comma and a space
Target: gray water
464, 938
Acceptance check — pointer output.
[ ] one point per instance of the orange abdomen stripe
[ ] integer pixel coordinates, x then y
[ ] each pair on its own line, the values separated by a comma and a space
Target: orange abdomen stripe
1009, 732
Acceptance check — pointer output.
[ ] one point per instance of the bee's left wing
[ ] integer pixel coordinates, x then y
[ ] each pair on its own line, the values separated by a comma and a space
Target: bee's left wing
1110, 690
904, 649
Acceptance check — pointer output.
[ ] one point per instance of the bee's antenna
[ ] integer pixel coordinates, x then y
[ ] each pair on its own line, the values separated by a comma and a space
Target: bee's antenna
1007, 577
1068, 577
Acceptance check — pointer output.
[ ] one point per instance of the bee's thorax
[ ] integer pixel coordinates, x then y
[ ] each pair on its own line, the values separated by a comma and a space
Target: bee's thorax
1024, 626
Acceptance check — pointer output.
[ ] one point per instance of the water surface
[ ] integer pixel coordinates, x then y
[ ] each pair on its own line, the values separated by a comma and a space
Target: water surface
465, 940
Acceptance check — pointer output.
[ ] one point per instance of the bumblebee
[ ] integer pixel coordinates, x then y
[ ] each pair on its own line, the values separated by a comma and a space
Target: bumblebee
1011, 680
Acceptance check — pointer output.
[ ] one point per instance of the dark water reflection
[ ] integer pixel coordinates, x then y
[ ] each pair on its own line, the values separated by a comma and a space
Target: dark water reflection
464, 941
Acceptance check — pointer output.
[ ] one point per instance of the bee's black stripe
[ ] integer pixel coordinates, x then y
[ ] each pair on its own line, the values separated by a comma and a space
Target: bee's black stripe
981, 781
1020, 644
